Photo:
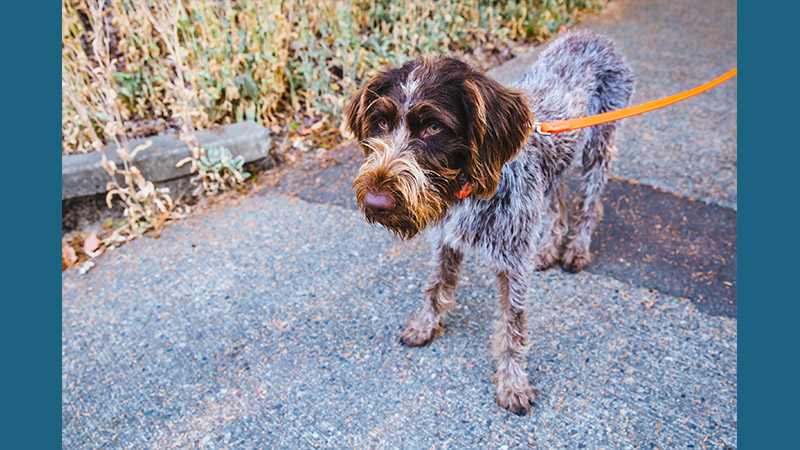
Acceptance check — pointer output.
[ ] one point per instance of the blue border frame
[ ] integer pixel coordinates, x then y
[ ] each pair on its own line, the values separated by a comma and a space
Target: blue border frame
31, 329
767, 158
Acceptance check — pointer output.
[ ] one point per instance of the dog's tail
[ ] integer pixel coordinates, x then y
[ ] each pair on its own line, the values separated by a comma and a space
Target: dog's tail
611, 89
613, 78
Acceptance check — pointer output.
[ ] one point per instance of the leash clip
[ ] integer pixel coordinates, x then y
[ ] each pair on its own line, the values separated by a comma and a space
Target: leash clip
537, 126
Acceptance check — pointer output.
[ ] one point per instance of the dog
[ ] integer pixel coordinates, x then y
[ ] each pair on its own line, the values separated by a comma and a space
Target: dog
436, 130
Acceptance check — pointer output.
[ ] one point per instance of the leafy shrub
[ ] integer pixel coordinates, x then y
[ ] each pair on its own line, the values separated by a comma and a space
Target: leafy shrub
262, 59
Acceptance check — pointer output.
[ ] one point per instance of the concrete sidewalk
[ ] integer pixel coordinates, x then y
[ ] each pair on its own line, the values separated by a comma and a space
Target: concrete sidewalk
273, 324
271, 321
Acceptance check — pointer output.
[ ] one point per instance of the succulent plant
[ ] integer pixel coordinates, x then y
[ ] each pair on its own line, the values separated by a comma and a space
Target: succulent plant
218, 158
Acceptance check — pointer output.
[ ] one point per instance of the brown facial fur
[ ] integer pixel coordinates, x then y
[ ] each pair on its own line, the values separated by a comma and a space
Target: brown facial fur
478, 124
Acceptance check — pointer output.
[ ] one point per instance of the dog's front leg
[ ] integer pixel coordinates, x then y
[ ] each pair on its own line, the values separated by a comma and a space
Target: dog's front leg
440, 294
510, 344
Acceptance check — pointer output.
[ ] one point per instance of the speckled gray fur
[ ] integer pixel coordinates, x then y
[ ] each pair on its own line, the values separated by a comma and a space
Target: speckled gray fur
516, 217
579, 75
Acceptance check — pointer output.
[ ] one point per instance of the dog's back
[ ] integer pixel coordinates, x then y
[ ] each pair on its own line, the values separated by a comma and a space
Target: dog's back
579, 74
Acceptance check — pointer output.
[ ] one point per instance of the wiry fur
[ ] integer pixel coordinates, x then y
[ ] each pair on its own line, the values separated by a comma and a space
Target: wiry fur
516, 217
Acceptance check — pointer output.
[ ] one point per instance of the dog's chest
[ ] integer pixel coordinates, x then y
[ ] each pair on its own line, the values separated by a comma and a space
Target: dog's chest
507, 220
459, 227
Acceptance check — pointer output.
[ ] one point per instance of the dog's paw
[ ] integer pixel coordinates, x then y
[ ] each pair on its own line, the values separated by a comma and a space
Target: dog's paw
420, 331
575, 261
546, 260
515, 395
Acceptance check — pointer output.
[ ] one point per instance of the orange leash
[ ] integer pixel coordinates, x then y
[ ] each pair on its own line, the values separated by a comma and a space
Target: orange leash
559, 126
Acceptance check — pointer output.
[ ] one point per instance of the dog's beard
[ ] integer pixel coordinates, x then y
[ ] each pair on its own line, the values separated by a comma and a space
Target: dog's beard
421, 196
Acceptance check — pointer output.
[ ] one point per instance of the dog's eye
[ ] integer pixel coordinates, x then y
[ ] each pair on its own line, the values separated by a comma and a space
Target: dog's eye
383, 124
432, 129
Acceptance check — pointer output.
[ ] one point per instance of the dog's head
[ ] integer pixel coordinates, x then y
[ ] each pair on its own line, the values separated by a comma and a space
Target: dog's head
427, 129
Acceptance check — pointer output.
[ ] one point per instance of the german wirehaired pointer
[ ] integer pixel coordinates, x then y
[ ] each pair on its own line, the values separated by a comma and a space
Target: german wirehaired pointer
434, 129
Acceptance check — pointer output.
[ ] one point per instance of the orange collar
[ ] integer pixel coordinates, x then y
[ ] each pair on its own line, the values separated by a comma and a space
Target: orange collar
465, 191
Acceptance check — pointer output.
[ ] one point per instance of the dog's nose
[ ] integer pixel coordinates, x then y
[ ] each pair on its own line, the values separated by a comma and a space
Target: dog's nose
380, 202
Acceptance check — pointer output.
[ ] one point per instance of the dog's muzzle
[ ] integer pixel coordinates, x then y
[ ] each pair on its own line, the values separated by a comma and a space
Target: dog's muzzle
379, 203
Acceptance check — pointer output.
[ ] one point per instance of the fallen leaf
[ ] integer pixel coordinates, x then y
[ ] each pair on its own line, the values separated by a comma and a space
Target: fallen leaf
317, 126
68, 256
91, 244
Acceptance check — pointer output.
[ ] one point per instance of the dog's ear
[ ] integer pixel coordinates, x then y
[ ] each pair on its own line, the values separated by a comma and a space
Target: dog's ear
357, 108
499, 121
353, 115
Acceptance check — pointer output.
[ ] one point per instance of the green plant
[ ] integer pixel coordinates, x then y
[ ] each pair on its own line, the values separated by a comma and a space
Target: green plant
218, 159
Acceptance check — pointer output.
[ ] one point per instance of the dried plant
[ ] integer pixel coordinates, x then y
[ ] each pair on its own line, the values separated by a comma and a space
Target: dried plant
133, 68
145, 206
258, 60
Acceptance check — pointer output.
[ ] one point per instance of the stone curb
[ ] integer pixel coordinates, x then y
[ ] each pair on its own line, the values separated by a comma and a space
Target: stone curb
82, 175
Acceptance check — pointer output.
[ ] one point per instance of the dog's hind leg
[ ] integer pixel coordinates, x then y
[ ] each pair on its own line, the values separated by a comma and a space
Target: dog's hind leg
597, 156
554, 228
429, 322
610, 90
